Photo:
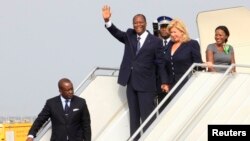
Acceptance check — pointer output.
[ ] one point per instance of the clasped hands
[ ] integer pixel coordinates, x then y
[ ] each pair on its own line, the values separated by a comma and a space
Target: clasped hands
165, 88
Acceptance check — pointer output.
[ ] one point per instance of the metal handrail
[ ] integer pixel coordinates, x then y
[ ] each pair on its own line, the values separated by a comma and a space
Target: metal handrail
171, 92
81, 86
211, 94
208, 99
94, 72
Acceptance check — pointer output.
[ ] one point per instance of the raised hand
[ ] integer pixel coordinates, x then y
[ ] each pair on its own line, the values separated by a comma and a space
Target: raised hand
106, 13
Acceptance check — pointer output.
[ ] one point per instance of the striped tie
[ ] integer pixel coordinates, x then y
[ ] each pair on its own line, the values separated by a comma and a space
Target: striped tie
165, 43
138, 44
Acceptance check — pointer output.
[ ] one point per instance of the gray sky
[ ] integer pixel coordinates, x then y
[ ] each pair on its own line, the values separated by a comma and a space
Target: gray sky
43, 41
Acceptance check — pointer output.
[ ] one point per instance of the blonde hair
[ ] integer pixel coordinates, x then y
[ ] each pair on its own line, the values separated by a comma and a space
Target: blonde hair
178, 24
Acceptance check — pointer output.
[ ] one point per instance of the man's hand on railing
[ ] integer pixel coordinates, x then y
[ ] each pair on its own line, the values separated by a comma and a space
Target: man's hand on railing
29, 139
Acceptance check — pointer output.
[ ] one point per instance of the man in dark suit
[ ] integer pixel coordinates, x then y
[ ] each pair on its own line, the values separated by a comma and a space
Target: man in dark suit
68, 113
161, 27
138, 67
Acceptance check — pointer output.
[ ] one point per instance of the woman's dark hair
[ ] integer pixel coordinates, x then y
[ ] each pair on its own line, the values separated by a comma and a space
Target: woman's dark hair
225, 29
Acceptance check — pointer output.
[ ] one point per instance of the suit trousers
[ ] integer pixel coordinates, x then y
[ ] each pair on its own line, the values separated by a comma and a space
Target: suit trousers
141, 104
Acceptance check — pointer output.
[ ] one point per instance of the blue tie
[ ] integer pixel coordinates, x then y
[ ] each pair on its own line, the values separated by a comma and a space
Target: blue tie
138, 44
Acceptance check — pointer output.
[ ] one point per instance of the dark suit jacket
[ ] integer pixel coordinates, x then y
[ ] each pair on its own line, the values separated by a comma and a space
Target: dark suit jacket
76, 125
139, 68
187, 54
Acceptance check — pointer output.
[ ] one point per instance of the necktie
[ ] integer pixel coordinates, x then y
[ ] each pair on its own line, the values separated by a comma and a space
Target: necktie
66, 108
138, 44
165, 43
165, 46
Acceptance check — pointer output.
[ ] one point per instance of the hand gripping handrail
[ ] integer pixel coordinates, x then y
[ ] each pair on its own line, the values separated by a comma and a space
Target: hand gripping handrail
81, 86
206, 101
173, 89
